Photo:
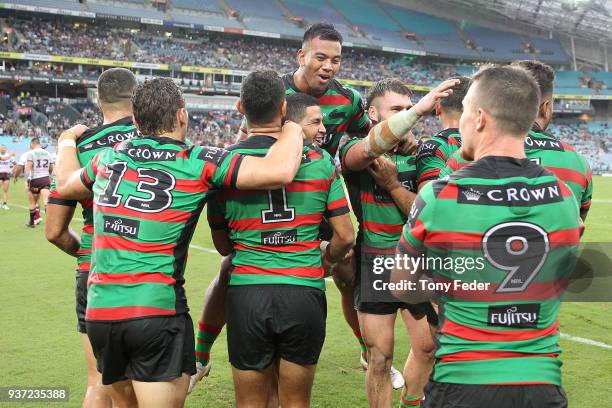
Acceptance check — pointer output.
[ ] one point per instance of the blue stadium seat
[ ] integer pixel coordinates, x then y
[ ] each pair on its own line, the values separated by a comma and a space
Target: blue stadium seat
201, 5
258, 8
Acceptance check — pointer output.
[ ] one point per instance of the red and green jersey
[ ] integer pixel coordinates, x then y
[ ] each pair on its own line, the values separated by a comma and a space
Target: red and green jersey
148, 195
343, 112
380, 220
510, 224
275, 232
91, 142
433, 154
555, 156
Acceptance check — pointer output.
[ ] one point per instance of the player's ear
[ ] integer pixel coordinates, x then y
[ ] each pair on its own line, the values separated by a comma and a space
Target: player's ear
481, 120
239, 107
372, 113
301, 57
283, 109
438, 108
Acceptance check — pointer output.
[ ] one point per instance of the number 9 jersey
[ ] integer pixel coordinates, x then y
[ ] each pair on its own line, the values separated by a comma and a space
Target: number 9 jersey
512, 227
148, 195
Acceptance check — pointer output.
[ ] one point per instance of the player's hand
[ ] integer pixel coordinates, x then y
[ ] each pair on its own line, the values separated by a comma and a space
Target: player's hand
73, 133
384, 173
290, 127
427, 103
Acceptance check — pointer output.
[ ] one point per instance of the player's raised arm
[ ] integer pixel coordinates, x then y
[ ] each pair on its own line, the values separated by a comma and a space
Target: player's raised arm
389, 133
278, 167
68, 175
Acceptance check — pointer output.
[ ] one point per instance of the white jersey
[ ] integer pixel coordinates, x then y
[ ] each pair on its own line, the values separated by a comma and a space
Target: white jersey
23, 159
6, 166
41, 163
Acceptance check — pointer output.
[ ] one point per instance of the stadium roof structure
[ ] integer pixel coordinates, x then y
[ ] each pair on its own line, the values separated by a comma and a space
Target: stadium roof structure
583, 18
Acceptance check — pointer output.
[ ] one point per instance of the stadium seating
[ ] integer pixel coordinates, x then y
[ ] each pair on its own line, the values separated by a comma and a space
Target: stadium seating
198, 5
61, 4
497, 45
257, 8
217, 20
127, 10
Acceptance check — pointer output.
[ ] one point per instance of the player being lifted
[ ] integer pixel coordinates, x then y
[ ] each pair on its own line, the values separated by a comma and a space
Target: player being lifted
343, 111
276, 307
148, 195
7, 163
496, 346
381, 201
541, 147
433, 154
38, 169
115, 88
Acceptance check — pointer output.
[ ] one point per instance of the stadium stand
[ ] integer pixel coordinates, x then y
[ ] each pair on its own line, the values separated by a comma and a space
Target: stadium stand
198, 5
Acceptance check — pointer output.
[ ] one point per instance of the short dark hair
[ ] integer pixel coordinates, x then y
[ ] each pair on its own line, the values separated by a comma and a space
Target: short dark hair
297, 103
454, 102
322, 30
510, 94
383, 86
35, 140
116, 85
155, 103
261, 96
544, 74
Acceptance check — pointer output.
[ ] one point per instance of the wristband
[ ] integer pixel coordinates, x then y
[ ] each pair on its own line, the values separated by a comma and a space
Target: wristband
67, 143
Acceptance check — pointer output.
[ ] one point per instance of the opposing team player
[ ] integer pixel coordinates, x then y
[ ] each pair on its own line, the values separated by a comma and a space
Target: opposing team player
276, 307
38, 169
541, 147
115, 88
433, 154
381, 201
7, 163
497, 343
148, 195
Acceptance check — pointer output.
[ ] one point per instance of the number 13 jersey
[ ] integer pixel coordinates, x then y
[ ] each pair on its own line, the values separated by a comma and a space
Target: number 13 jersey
513, 227
275, 232
148, 195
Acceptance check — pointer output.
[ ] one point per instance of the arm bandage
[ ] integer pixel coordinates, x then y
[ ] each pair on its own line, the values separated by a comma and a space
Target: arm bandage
389, 133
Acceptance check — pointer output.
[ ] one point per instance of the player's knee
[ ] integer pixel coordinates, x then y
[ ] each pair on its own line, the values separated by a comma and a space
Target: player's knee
52, 234
379, 360
424, 352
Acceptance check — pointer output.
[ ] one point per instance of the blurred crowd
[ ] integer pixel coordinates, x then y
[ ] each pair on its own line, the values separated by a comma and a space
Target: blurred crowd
220, 128
201, 49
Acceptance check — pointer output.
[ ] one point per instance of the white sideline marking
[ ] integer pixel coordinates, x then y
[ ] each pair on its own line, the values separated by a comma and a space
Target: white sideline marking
201, 248
27, 208
602, 200
586, 341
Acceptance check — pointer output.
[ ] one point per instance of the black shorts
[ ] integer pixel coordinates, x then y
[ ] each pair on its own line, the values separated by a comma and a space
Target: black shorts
151, 349
384, 303
5, 176
81, 300
268, 322
325, 231
37, 184
443, 395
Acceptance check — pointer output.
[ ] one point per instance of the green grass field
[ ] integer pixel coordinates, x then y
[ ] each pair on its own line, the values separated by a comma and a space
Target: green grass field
39, 345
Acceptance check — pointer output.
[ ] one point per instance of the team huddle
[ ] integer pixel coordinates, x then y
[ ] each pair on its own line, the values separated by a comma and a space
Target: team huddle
493, 186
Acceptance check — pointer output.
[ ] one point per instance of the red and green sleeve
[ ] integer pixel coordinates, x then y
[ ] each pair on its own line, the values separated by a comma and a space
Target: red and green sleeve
359, 122
412, 241
215, 214
220, 167
88, 173
336, 198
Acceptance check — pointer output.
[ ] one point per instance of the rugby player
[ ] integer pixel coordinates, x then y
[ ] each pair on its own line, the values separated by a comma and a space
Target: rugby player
148, 195
381, 201
304, 110
556, 156
115, 87
38, 169
7, 162
497, 343
343, 112
433, 154
276, 307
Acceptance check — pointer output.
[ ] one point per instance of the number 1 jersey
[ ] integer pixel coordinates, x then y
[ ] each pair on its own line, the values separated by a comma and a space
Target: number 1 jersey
148, 195
275, 232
